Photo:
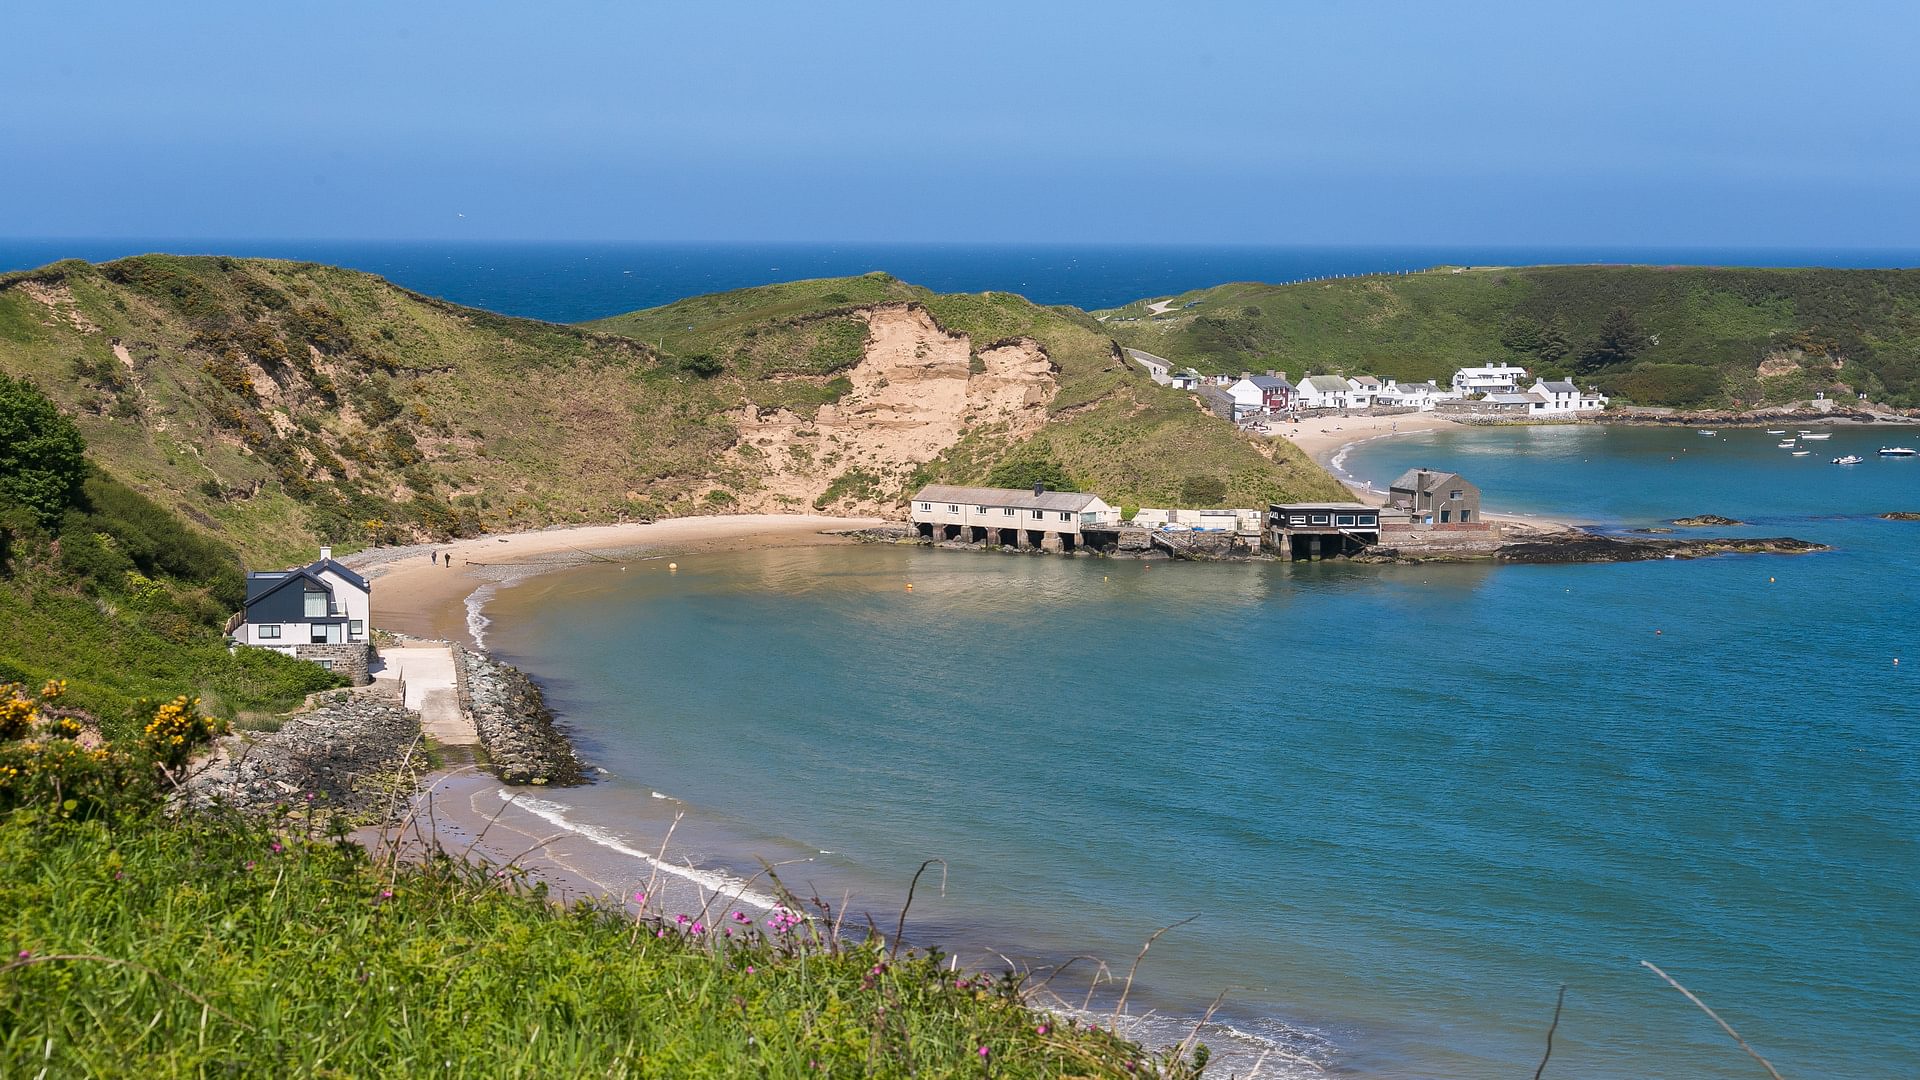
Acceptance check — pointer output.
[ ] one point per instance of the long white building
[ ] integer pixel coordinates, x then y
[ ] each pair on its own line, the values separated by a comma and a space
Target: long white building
1501, 378
1013, 517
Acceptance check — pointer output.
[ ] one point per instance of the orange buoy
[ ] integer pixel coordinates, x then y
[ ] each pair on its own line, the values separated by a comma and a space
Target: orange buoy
673, 566
909, 586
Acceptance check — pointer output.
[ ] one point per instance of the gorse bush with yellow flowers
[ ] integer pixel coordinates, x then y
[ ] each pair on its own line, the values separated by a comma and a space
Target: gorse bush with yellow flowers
52, 756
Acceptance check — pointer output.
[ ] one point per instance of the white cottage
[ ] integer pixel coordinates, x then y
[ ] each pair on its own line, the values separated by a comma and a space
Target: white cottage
319, 612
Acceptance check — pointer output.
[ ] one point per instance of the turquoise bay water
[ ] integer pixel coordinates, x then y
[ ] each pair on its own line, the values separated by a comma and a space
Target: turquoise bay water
1405, 803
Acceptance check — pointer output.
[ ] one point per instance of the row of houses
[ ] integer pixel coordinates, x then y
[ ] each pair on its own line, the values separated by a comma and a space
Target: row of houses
1498, 387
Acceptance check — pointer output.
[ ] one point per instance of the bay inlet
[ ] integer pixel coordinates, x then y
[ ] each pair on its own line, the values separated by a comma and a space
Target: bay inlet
1405, 803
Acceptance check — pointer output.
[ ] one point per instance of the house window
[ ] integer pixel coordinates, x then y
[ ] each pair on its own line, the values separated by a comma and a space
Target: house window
355, 629
1466, 516
267, 631
1369, 519
1455, 496
325, 662
926, 506
318, 634
316, 604
979, 509
952, 509
1066, 517
1007, 510
1446, 516
1038, 514
1319, 519
1298, 519
1345, 519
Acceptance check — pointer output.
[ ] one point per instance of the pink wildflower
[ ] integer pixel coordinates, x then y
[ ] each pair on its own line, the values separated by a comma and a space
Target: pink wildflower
749, 969
984, 1052
275, 847
26, 954
639, 898
1040, 1030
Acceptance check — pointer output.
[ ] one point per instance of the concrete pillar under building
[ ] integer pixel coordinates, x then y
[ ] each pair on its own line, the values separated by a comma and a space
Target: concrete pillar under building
1051, 541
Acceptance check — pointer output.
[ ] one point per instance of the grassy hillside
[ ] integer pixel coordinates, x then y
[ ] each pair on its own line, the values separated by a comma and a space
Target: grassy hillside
109, 592
281, 404
1107, 427
194, 948
1694, 335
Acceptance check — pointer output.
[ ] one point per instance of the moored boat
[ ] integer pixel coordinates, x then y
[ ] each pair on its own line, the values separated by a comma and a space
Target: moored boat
1786, 444
1704, 431
1776, 431
1801, 453
1816, 435
1850, 459
1898, 451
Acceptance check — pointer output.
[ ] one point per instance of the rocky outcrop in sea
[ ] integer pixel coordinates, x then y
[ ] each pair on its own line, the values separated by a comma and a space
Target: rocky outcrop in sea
1584, 547
515, 726
357, 753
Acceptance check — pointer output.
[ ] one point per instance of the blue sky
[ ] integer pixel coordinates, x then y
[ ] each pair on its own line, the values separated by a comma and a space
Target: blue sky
1669, 123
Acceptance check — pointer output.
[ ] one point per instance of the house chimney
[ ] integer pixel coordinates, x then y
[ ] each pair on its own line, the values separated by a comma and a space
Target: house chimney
326, 553
1039, 488
1246, 374
1272, 374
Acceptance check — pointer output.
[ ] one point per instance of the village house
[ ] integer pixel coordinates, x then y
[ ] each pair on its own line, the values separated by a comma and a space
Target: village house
317, 612
1012, 517
1256, 394
1184, 379
1425, 498
1323, 392
1423, 396
1364, 389
1501, 378
1563, 397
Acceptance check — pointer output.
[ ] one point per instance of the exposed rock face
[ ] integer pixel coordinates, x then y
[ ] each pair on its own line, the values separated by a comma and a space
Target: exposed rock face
1582, 547
514, 723
1701, 520
915, 392
1901, 515
347, 754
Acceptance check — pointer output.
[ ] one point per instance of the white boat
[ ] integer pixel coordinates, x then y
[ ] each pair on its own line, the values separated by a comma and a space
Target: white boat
1786, 444
1776, 431
1801, 453
1822, 435
1704, 431
1850, 459
1898, 451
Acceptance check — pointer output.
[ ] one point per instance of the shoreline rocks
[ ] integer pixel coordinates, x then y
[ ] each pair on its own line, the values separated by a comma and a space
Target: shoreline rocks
1901, 515
1584, 547
349, 753
516, 728
1702, 520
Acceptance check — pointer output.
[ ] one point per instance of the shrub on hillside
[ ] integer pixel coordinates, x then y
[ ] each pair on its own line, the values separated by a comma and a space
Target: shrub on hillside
1026, 472
43, 463
1664, 384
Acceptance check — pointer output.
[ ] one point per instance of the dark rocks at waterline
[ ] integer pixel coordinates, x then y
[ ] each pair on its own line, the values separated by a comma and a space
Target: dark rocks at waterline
1703, 520
515, 726
1901, 515
1581, 547
354, 753
1651, 532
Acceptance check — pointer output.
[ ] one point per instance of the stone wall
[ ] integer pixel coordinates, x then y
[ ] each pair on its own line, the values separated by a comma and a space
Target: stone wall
345, 755
514, 724
348, 660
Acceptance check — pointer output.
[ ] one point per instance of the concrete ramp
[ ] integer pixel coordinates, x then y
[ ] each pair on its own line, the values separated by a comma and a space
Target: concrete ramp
427, 672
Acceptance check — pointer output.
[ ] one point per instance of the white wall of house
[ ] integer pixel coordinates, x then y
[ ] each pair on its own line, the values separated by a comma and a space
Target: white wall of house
1502, 378
1248, 399
987, 516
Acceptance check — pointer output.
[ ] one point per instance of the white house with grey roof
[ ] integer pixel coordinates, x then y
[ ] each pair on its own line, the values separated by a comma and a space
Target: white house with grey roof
318, 612
1324, 392
1010, 517
1564, 398
1501, 378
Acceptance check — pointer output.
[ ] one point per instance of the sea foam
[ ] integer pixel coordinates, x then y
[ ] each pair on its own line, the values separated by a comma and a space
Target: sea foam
713, 881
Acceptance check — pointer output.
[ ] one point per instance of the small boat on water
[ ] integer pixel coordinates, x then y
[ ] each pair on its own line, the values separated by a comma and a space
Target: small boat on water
1801, 453
1704, 431
1786, 444
1812, 435
1898, 451
1776, 431
1850, 459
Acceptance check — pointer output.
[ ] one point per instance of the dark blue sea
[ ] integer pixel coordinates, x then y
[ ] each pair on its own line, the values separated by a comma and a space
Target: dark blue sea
570, 283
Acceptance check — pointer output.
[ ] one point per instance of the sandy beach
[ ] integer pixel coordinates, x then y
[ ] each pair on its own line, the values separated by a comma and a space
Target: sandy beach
416, 591
1326, 439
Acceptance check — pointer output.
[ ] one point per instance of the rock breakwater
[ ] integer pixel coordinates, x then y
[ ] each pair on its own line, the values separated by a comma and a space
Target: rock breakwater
515, 726
1584, 547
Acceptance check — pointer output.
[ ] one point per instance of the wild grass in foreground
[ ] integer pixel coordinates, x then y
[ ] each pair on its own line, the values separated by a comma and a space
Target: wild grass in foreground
211, 946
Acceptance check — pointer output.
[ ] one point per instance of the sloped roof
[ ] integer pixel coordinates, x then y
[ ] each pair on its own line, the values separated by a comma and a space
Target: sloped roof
1514, 399
1017, 498
346, 575
1326, 384
1270, 382
1560, 387
261, 586
1425, 480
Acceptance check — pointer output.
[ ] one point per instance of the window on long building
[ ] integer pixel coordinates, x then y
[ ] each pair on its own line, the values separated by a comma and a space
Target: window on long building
316, 604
